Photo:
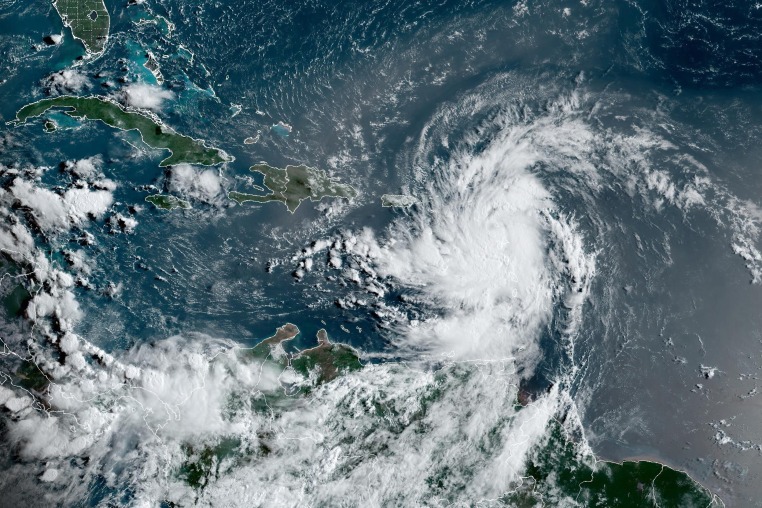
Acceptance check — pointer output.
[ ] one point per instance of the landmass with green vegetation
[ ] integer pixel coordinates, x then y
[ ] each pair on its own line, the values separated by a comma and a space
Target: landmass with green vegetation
558, 474
155, 134
12, 291
324, 362
15, 298
293, 185
397, 201
15, 302
152, 64
318, 365
89, 22
167, 202
204, 462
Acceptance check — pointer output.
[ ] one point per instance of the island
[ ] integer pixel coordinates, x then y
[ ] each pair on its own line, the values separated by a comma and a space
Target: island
167, 202
89, 22
293, 185
152, 64
155, 134
397, 201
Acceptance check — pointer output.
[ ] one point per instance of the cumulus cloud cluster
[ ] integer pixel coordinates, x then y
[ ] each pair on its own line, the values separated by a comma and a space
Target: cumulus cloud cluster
67, 81
87, 169
159, 397
33, 213
53, 307
144, 96
485, 249
488, 252
53, 212
190, 182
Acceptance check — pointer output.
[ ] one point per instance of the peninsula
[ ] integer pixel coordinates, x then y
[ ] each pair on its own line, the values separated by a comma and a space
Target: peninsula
89, 22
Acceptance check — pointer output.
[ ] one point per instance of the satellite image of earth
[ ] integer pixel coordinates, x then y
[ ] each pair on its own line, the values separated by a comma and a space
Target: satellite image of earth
380, 253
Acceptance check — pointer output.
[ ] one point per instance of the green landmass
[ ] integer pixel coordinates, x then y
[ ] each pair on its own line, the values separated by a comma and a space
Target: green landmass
153, 65
154, 133
204, 462
30, 377
50, 126
316, 366
558, 472
89, 21
166, 202
15, 298
15, 301
327, 359
293, 185
397, 201
558, 475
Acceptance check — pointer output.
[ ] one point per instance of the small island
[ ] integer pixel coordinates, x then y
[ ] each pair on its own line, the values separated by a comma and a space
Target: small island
293, 185
397, 201
152, 64
167, 202
155, 134
89, 22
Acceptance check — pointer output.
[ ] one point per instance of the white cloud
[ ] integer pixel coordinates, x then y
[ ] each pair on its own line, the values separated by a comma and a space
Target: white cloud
58, 302
87, 169
487, 249
484, 249
203, 184
123, 223
47, 207
49, 475
66, 81
130, 421
54, 213
143, 96
54, 39
15, 239
83, 203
